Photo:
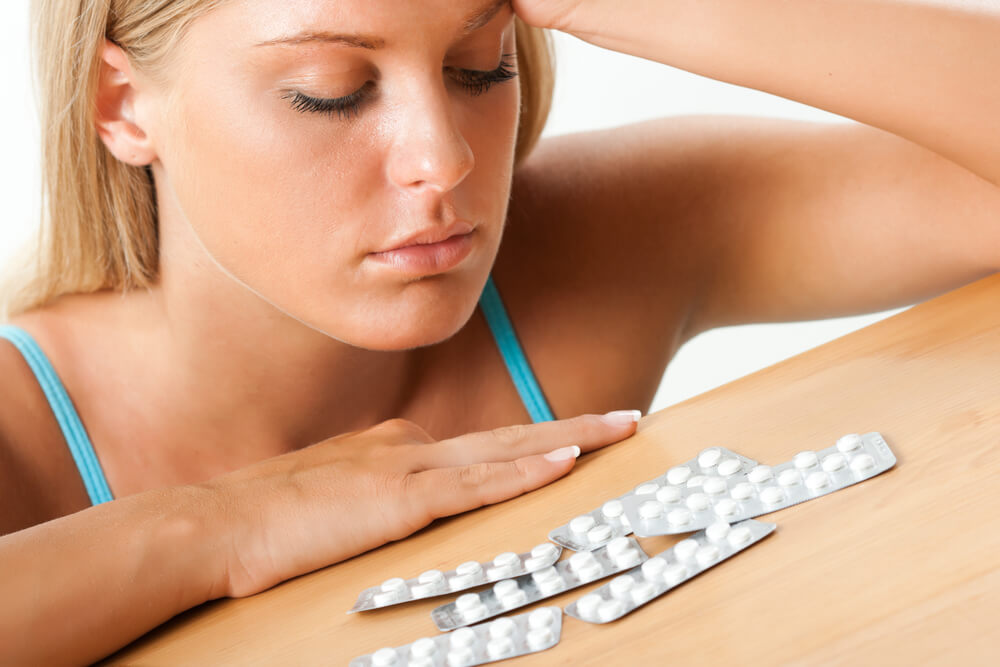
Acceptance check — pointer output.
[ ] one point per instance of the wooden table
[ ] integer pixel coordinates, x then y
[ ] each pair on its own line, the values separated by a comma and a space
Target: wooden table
900, 569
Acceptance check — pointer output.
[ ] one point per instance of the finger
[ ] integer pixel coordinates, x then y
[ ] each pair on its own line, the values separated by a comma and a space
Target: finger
588, 432
446, 491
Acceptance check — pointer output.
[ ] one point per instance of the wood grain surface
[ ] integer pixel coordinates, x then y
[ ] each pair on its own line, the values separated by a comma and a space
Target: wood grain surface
901, 569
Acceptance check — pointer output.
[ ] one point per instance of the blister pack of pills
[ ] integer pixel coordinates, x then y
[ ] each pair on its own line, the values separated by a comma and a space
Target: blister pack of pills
467, 575
620, 554
762, 489
663, 572
506, 637
713, 466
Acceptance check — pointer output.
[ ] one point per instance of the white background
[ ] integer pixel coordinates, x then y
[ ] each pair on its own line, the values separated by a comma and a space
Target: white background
594, 89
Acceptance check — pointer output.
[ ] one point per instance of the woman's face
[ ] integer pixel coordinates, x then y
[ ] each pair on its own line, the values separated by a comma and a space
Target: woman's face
348, 160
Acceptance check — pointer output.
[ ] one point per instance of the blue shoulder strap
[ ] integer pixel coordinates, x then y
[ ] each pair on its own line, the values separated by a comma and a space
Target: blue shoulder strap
65, 413
510, 349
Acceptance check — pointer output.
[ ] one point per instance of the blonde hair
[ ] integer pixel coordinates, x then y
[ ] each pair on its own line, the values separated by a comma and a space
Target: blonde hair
98, 224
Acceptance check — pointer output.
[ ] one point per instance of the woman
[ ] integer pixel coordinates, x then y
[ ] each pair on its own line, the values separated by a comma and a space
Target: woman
269, 227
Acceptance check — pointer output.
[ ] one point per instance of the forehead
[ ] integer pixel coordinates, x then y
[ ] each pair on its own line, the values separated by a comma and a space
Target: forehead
373, 23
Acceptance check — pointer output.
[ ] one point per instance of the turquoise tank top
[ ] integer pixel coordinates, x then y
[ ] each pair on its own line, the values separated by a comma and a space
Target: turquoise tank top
83, 451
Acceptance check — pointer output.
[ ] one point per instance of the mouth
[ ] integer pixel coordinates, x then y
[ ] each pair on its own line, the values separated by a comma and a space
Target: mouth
429, 252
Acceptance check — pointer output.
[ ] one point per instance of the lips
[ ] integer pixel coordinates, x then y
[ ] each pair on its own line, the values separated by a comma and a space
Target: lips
428, 252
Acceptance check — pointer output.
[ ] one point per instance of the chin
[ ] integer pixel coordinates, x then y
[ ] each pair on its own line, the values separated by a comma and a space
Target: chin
425, 314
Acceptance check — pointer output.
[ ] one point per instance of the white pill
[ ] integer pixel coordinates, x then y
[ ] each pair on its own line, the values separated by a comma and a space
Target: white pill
544, 550
678, 475
598, 534
394, 585
532, 564
739, 536
628, 559
817, 481
834, 462
494, 573
806, 459
423, 648
849, 443
742, 491
726, 507
679, 517
541, 618
514, 599
730, 467
668, 494
502, 627
433, 577
423, 590
647, 489
539, 639
383, 598
625, 524
760, 474
772, 495
581, 560
650, 509
674, 574
709, 457
591, 571
620, 586
463, 637
707, 555
468, 601
588, 604
462, 657
612, 509
696, 481
420, 662
714, 486
697, 502
582, 524
717, 531
500, 648
618, 545
505, 587
610, 610
385, 657
550, 572
684, 550
788, 477
475, 614
862, 463
507, 559
551, 586
643, 591
470, 568
653, 568
462, 581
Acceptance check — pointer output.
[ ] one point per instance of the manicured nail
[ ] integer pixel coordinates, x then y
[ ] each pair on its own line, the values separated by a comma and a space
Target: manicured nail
563, 453
622, 417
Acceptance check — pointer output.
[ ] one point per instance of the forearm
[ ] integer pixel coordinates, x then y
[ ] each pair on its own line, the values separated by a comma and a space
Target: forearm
923, 70
79, 587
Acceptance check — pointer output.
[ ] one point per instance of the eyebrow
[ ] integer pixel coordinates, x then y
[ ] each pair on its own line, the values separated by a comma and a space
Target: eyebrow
474, 22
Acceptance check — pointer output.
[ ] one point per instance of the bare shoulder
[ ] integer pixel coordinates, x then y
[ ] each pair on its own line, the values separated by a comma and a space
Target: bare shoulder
38, 479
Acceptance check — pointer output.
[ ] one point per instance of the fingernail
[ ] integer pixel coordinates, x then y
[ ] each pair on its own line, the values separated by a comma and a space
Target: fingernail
563, 453
622, 417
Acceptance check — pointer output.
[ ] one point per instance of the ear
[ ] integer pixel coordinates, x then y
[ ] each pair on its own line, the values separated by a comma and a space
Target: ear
115, 115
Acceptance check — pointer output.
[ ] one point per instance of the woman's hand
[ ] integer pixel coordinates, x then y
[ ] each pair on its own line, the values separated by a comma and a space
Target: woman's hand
301, 511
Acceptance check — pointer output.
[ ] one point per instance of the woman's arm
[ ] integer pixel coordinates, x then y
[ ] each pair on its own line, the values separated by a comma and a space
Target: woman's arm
81, 586
925, 70
770, 220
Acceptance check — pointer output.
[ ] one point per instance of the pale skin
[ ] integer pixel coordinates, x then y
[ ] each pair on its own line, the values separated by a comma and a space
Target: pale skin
274, 326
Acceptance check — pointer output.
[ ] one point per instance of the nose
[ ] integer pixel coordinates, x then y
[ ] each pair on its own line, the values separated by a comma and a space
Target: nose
429, 150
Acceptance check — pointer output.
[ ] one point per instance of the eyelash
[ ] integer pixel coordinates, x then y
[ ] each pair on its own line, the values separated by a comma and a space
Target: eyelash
476, 82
